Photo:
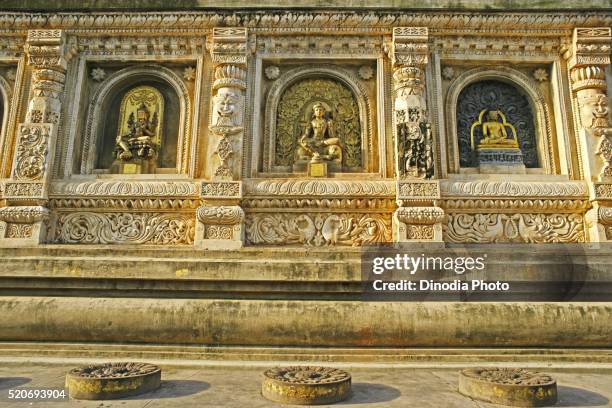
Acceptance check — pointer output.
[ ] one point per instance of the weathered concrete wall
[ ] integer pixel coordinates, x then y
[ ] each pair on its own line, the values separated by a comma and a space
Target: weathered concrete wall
306, 323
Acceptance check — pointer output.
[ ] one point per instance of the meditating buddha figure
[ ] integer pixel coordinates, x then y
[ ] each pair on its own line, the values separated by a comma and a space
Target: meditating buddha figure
494, 132
319, 142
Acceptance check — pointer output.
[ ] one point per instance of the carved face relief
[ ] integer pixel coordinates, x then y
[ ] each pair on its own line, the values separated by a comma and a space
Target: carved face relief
225, 108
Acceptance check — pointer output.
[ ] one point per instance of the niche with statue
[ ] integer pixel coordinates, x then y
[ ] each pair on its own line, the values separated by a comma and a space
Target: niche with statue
318, 128
140, 135
495, 126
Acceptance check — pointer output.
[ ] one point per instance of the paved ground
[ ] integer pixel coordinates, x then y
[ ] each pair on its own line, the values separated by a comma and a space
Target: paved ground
239, 387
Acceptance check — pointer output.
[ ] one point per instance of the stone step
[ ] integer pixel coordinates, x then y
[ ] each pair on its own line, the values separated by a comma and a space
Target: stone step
33, 351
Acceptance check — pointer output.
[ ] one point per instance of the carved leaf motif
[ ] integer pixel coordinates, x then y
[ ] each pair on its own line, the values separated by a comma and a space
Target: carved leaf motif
318, 229
530, 228
293, 113
117, 228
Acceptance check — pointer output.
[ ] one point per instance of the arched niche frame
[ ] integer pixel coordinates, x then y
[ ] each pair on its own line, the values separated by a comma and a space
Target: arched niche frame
542, 116
116, 83
5, 103
366, 112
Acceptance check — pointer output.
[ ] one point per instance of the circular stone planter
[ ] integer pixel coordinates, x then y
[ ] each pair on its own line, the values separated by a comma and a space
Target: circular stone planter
112, 380
508, 386
304, 385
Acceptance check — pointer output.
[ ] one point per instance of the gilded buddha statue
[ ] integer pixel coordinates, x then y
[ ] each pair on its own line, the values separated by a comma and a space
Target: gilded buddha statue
494, 132
319, 143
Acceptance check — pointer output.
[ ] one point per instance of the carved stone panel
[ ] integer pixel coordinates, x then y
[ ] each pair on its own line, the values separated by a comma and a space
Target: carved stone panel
318, 229
85, 227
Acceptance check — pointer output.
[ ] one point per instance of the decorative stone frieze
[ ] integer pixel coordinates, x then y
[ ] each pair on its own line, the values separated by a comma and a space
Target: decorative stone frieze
318, 229
221, 189
88, 227
512, 227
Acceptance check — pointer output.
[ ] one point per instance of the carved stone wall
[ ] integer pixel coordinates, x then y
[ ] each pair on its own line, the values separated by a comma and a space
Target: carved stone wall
244, 82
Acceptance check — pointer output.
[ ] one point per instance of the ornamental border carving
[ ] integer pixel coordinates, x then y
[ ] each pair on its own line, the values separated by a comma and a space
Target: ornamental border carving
221, 189
347, 20
118, 79
603, 191
527, 189
123, 188
366, 110
317, 188
543, 118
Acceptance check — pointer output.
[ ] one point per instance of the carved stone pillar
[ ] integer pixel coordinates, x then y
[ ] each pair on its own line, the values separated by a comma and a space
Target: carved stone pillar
25, 194
417, 218
220, 218
590, 55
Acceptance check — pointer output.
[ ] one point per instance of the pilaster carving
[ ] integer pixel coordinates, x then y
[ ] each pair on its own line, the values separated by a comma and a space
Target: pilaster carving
220, 219
410, 53
413, 138
47, 53
590, 55
229, 56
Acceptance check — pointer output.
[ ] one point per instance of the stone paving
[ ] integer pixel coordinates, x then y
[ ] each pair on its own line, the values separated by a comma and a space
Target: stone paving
239, 387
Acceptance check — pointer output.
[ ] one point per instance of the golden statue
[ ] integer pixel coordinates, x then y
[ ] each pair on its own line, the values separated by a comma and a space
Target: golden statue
139, 133
319, 143
494, 133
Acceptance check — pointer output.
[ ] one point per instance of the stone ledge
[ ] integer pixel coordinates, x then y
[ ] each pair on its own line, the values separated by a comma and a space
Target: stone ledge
305, 323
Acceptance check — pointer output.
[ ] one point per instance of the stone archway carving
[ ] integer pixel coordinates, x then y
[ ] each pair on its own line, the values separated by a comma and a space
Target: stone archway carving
296, 75
5, 94
116, 82
544, 135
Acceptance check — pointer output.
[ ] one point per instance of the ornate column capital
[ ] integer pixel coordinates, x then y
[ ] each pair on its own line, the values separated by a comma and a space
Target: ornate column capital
410, 46
48, 49
229, 45
590, 55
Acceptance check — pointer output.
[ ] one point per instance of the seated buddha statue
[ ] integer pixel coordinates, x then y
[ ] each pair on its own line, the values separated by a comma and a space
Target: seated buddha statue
319, 142
494, 132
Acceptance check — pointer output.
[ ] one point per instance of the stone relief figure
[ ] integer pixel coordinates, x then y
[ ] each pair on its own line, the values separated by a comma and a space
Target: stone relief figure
319, 142
318, 118
139, 128
600, 112
415, 143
